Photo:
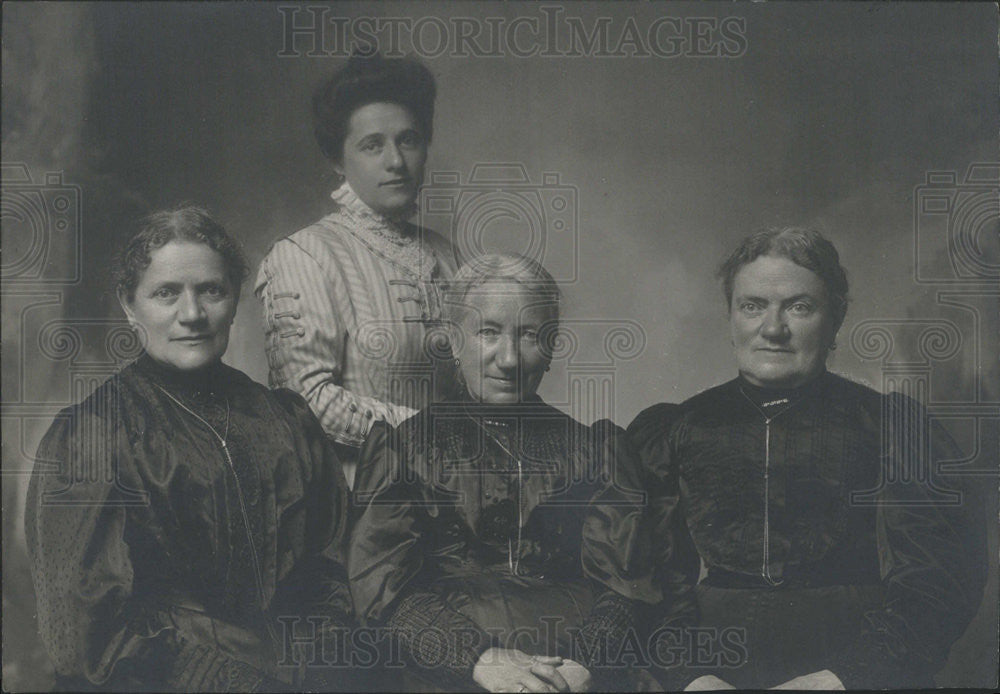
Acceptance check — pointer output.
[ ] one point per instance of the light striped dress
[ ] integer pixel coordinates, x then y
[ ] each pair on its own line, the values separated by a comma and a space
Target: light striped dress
352, 309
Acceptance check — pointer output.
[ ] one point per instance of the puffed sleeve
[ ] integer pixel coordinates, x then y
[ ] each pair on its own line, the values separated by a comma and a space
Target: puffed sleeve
313, 602
613, 551
615, 556
306, 335
386, 556
316, 588
83, 495
932, 554
675, 560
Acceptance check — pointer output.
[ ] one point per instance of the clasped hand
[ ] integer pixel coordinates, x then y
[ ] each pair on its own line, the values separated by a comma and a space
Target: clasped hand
511, 670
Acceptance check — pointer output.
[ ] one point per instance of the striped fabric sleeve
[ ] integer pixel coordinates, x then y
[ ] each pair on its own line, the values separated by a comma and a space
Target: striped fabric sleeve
305, 336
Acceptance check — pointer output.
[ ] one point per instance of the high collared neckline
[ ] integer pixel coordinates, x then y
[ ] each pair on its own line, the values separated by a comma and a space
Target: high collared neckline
347, 199
768, 399
208, 382
461, 396
392, 238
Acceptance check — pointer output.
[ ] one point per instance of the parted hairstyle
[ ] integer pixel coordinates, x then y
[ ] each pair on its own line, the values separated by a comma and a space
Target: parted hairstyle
803, 246
500, 267
185, 223
365, 80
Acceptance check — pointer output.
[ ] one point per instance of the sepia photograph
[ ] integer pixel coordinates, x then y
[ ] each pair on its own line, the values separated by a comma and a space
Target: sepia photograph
500, 346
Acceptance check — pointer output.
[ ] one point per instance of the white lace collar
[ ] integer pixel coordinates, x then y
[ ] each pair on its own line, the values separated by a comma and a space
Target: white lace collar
390, 237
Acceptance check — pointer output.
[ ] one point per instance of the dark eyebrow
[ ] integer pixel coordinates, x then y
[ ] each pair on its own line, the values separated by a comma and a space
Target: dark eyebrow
371, 136
762, 300
800, 297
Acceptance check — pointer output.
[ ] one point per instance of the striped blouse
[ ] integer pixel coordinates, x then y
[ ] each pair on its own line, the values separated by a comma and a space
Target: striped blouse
352, 309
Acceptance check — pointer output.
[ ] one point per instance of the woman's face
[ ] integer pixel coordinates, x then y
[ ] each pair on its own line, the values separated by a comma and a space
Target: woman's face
500, 356
184, 304
384, 156
782, 322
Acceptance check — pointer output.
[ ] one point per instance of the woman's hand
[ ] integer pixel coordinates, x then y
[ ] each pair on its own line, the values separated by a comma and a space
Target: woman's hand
708, 683
823, 679
577, 676
511, 670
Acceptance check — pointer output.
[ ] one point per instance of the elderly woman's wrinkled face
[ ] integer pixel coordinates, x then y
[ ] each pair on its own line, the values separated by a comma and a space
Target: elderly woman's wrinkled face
384, 155
183, 306
782, 322
500, 354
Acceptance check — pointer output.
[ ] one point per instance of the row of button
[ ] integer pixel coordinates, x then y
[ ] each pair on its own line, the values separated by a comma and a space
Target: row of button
353, 407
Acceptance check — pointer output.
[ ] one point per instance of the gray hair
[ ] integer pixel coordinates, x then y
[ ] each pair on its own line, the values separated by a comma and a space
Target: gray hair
500, 267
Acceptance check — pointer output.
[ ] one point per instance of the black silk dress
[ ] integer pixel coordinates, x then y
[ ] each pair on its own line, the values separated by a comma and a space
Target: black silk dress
511, 526
832, 537
163, 560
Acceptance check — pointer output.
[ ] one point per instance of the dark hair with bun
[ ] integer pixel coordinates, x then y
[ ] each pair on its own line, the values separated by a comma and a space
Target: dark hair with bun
370, 79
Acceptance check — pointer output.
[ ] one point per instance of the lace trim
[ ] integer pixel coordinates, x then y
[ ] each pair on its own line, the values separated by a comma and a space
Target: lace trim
392, 238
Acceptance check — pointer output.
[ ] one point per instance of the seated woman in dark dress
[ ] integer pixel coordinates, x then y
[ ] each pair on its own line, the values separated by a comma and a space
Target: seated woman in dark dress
832, 560
497, 537
182, 517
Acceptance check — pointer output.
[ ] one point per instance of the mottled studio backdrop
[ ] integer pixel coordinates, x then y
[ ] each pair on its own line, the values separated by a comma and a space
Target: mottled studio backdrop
628, 145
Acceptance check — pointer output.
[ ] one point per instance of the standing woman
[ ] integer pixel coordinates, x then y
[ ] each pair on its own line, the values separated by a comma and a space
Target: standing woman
825, 569
182, 516
351, 302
